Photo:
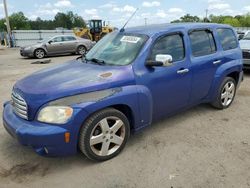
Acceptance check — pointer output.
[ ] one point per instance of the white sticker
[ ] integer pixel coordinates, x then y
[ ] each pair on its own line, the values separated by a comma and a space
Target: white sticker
130, 39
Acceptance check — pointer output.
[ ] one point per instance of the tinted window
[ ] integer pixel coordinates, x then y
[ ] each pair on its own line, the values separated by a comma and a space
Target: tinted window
69, 38
202, 43
172, 45
57, 39
227, 38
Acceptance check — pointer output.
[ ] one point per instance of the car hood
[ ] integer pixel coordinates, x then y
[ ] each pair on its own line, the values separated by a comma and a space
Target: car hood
245, 44
71, 78
36, 45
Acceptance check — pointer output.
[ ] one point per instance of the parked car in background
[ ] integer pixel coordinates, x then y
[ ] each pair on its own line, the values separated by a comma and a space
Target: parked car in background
128, 80
242, 34
245, 46
61, 44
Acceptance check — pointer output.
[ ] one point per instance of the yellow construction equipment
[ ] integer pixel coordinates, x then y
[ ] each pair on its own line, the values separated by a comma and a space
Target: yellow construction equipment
95, 31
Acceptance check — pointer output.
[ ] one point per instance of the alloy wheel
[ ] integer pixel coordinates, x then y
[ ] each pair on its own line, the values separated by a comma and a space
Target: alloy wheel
81, 50
107, 136
228, 93
39, 53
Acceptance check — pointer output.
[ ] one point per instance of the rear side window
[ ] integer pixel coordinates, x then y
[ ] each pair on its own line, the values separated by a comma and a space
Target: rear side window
227, 38
172, 45
69, 38
202, 43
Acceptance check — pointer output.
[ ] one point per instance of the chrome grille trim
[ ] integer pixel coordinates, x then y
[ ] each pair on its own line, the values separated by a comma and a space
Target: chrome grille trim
19, 105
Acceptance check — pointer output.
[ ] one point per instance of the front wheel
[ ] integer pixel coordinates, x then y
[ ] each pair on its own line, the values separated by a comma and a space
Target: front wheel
39, 53
225, 94
104, 134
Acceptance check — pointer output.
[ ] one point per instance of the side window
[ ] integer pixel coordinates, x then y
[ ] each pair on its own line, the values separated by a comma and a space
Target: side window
57, 39
202, 43
227, 38
172, 45
69, 38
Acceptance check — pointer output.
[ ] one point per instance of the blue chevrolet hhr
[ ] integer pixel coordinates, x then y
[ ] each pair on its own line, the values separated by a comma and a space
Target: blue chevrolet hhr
128, 80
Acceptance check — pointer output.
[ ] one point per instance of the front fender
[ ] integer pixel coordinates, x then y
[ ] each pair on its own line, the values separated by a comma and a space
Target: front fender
222, 71
136, 97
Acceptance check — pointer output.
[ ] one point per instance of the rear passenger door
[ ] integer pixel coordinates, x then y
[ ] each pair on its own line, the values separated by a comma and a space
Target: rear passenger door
69, 43
205, 60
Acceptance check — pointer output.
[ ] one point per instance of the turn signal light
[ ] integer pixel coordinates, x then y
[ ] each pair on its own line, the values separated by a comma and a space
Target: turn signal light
67, 137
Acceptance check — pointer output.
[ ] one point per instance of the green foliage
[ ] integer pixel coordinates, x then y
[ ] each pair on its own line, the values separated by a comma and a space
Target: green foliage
235, 21
67, 20
19, 21
187, 18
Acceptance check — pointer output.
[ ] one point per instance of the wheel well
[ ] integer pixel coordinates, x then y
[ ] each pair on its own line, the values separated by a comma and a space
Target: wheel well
235, 76
126, 110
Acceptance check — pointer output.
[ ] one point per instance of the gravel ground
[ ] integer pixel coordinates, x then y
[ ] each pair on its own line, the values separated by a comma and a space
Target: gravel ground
201, 147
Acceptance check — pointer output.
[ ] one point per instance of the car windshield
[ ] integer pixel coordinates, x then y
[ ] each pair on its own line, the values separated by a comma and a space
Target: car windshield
247, 36
117, 48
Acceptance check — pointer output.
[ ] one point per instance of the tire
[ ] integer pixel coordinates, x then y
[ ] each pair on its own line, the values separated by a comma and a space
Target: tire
226, 94
39, 53
81, 50
107, 140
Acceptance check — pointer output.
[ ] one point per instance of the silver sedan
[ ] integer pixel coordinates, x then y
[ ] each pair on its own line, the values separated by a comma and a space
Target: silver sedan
62, 44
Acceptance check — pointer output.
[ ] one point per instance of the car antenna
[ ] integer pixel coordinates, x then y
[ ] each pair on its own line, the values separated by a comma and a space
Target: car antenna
123, 28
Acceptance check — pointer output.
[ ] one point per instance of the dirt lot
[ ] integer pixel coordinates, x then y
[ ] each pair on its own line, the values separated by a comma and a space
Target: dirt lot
201, 147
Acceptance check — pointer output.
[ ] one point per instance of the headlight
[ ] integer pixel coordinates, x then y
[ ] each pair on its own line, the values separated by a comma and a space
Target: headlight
55, 114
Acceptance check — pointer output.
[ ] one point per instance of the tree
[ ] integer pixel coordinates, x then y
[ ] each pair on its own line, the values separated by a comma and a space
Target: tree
187, 18
69, 20
19, 21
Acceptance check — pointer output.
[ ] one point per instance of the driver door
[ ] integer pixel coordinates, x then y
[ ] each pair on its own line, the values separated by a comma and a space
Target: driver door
55, 45
170, 86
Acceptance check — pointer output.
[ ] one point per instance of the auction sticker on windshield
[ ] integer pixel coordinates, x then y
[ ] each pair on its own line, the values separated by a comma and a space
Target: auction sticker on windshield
130, 39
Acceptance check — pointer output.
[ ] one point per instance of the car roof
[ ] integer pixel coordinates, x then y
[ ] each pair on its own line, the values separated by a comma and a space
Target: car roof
151, 30
69, 35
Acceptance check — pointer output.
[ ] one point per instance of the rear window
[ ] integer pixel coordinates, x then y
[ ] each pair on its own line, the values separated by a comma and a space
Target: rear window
202, 43
227, 38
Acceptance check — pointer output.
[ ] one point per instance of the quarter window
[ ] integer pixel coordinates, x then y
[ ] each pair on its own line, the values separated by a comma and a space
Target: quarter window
227, 38
202, 43
172, 45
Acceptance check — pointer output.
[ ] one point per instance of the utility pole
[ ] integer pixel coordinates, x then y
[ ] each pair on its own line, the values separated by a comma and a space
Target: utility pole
206, 15
7, 21
145, 21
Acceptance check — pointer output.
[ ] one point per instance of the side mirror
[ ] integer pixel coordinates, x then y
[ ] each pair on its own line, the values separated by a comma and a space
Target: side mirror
50, 41
166, 59
161, 60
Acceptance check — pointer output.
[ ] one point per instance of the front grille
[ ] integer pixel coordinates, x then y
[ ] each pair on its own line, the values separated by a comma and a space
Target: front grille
246, 54
19, 105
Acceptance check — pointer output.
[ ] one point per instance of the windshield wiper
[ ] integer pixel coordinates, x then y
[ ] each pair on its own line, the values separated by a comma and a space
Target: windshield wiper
97, 61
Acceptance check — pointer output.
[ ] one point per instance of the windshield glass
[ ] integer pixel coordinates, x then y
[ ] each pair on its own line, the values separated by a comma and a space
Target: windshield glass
117, 48
247, 36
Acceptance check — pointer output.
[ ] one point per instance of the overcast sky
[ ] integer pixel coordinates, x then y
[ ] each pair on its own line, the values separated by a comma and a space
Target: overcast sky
116, 12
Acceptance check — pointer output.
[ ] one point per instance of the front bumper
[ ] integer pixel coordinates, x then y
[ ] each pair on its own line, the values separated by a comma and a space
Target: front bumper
26, 53
45, 139
246, 63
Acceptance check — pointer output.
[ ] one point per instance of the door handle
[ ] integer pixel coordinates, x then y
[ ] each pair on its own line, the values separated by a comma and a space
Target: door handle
182, 71
217, 62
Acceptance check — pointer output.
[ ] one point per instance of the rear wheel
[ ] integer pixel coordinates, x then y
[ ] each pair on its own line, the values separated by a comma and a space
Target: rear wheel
81, 50
39, 53
225, 94
104, 134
